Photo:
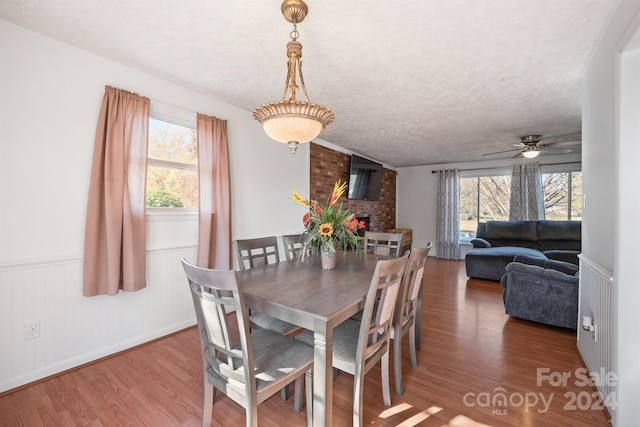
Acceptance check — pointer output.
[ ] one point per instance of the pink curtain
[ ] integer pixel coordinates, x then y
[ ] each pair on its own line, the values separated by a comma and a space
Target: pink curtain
214, 227
115, 231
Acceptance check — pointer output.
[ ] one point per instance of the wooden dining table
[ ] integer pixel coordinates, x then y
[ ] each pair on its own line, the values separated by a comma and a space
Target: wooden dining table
304, 294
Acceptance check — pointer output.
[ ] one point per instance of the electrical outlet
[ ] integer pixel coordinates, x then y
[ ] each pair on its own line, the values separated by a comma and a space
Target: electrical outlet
32, 329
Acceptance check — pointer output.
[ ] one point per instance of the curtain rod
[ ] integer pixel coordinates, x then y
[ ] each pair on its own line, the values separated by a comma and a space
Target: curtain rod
508, 166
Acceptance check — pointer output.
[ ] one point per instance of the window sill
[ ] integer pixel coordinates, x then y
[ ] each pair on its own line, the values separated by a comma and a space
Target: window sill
171, 214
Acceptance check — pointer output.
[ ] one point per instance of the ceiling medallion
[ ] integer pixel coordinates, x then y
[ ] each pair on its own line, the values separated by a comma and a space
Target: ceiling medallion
291, 121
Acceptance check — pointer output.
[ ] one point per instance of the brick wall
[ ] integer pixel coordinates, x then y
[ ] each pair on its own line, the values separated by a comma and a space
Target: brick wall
327, 166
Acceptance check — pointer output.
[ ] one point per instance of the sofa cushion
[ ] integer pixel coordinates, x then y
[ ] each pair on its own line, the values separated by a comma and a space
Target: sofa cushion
530, 260
559, 235
511, 230
490, 263
561, 266
559, 230
563, 255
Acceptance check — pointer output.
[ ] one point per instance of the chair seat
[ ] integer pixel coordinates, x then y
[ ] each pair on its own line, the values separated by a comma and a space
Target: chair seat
274, 357
264, 321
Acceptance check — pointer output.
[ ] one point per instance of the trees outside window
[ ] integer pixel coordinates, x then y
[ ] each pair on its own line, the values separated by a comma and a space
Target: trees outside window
562, 195
483, 198
172, 171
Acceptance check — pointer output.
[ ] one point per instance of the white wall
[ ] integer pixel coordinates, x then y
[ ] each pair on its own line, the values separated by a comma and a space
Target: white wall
50, 95
610, 131
417, 195
629, 236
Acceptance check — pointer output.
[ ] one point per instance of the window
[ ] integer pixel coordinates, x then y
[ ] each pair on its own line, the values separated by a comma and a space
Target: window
562, 195
172, 171
486, 198
483, 198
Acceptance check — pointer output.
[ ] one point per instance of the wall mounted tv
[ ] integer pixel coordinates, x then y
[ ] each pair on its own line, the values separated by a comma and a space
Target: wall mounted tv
365, 179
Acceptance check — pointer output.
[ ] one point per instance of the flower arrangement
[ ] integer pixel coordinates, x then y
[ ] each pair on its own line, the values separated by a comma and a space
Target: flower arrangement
329, 226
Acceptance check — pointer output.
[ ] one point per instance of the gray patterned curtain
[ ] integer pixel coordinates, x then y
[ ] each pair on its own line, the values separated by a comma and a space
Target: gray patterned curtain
527, 197
448, 217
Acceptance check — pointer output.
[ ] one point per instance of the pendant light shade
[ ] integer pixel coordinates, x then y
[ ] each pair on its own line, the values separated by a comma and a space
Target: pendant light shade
291, 121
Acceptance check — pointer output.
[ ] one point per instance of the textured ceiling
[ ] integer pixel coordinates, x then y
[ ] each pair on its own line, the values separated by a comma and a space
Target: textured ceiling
410, 82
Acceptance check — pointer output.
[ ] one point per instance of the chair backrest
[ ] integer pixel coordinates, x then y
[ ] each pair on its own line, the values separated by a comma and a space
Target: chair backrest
214, 294
254, 252
292, 245
378, 313
411, 283
388, 244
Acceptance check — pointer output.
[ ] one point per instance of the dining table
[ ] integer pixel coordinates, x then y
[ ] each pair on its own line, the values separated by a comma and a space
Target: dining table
302, 293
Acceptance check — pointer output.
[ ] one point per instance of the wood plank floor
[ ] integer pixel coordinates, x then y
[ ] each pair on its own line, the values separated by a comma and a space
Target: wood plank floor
472, 353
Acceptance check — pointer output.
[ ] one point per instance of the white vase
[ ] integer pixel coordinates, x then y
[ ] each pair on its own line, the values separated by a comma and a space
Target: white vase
328, 258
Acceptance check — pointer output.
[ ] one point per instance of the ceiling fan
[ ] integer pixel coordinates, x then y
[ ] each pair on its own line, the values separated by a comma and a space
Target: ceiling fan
530, 146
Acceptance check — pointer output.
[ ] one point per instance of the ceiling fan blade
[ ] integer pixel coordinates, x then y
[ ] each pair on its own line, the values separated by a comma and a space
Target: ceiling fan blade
501, 152
553, 150
562, 144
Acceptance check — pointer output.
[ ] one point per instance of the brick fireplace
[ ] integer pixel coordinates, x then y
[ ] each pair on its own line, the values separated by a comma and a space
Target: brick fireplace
327, 166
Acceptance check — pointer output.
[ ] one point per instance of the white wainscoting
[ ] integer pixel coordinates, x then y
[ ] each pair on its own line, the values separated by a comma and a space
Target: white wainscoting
74, 329
598, 348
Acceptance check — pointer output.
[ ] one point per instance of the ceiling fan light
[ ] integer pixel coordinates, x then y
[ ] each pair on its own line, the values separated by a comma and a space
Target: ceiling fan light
530, 154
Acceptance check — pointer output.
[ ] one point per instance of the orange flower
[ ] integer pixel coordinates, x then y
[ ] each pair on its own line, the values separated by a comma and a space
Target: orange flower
326, 229
352, 225
316, 207
338, 191
305, 219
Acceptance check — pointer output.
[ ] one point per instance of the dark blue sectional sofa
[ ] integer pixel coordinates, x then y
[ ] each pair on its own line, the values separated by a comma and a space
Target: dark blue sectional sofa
497, 243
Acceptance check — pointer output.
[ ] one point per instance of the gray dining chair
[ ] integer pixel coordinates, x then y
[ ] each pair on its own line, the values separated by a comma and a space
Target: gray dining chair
254, 368
252, 253
419, 313
407, 309
292, 245
388, 244
358, 346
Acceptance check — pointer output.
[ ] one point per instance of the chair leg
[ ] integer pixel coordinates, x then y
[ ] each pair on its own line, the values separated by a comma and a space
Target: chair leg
297, 394
397, 363
252, 414
208, 394
412, 346
386, 394
358, 399
284, 392
418, 333
308, 387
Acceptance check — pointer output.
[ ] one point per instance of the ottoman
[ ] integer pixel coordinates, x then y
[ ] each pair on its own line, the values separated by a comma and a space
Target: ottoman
491, 263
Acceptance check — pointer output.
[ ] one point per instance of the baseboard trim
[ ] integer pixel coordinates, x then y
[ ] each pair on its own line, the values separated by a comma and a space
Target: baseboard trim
14, 384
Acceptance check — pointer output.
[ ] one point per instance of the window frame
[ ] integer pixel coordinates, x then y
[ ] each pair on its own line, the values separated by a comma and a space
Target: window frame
180, 117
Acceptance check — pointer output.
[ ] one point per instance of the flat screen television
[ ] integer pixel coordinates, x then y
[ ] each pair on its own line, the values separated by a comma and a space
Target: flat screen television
365, 179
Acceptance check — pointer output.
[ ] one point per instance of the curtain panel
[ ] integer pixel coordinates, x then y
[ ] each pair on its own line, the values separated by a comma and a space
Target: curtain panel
448, 216
116, 229
527, 197
214, 222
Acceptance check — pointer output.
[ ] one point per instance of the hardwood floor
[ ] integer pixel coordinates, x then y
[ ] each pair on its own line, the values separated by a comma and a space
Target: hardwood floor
472, 353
